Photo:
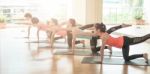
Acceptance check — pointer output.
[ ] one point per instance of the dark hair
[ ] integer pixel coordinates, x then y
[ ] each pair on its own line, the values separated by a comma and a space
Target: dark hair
101, 27
35, 20
54, 20
28, 15
73, 22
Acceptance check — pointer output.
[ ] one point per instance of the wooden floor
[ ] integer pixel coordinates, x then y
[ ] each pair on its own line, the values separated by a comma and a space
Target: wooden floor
17, 56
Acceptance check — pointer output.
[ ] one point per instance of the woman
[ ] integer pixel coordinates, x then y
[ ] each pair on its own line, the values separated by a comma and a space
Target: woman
50, 27
93, 40
41, 26
121, 42
53, 24
70, 25
28, 17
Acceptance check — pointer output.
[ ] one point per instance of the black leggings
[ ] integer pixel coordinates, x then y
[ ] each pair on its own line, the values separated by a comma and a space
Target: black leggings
93, 43
131, 41
93, 40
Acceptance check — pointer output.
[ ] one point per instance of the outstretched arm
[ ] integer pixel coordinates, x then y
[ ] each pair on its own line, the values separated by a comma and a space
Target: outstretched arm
104, 39
117, 27
86, 26
77, 32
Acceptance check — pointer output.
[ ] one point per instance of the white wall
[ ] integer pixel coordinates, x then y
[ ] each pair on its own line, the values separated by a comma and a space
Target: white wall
93, 11
79, 11
87, 11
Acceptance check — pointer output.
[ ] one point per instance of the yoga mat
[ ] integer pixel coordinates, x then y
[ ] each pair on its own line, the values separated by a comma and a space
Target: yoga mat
114, 61
85, 52
85, 37
41, 41
78, 52
25, 37
62, 46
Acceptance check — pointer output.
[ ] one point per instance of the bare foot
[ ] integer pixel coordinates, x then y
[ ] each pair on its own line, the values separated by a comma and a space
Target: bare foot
145, 56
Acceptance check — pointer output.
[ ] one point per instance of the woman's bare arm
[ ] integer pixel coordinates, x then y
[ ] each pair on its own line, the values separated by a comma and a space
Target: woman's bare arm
79, 32
104, 38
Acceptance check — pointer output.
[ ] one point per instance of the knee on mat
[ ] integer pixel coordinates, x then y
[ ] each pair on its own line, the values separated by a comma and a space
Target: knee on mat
92, 43
126, 59
93, 49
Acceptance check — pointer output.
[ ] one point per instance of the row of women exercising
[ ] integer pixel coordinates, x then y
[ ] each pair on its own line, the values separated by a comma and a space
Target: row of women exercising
99, 32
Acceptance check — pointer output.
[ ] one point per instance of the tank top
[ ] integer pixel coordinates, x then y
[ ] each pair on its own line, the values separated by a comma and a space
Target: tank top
116, 42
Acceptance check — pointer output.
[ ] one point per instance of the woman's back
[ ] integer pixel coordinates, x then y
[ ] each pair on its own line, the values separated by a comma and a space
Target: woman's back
115, 41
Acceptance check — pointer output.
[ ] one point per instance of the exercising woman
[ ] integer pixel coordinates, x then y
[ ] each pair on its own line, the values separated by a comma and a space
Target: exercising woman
71, 24
28, 18
93, 40
121, 42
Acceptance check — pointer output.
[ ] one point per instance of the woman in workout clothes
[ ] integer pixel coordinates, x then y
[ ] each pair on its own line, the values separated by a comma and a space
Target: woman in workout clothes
121, 42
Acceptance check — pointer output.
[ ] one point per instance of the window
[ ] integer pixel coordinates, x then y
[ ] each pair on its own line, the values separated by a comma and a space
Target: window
121, 11
44, 9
